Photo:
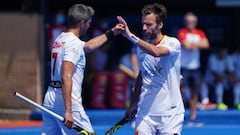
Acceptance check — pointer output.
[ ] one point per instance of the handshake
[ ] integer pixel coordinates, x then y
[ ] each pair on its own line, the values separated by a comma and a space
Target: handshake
122, 28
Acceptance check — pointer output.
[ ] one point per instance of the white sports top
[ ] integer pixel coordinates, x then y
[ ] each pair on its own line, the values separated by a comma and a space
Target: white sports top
68, 47
160, 93
191, 58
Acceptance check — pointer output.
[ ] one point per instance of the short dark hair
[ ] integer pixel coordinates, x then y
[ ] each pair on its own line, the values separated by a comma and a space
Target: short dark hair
158, 9
79, 12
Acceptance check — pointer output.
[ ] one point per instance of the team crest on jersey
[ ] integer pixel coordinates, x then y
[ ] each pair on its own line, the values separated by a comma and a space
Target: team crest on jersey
171, 44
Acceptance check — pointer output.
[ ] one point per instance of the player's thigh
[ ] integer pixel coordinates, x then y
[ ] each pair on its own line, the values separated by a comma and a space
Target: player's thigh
171, 125
145, 126
50, 125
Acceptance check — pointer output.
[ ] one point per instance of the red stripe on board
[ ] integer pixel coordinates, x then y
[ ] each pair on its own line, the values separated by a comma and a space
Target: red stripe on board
20, 123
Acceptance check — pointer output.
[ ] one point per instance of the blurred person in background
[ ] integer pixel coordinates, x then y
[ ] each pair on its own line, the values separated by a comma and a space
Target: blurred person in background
98, 58
97, 68
129, 65
192, 40
64, 94
56, 27
217, 74
234, 78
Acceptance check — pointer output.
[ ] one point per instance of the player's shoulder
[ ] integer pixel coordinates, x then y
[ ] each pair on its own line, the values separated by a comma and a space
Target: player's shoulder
172, 39
71, 39
199, 31
183, 30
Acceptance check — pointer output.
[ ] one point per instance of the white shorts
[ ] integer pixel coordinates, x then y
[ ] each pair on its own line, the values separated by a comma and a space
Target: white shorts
164, 125
52, 126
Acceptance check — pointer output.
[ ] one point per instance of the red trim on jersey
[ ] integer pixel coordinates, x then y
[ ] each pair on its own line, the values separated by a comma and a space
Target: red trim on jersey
183, 32
161, 39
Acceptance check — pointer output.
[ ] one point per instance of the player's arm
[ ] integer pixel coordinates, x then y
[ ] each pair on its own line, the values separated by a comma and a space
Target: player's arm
135, 97
67, 71
188, 45
203, 44
127, 70
101, 39
152, 49
184, 42
145, 46
135, 65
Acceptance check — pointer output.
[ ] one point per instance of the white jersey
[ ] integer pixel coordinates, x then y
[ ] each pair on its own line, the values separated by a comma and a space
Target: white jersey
191, 58
68, 47
160, 93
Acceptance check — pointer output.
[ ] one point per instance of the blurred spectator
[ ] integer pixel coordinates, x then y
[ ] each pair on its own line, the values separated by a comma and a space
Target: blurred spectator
205, 103
129, 65
234, 78
192, 40
98, 58
217, 74
56, 27
97, 69
97, 73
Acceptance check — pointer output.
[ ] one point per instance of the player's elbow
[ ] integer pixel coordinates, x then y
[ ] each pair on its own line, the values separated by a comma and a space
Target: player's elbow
66, 77
88, 47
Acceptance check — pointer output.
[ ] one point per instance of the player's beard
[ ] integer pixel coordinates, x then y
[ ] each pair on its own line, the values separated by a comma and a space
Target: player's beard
149, 36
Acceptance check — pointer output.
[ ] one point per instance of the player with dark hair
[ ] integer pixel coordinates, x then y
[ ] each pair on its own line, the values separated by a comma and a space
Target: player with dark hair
67, 71
157, 90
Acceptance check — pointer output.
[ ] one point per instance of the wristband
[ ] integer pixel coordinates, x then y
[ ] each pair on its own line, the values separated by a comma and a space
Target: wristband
134, 39
109, 34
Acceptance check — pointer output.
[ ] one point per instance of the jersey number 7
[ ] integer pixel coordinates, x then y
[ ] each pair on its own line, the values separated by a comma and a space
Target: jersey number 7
54, 56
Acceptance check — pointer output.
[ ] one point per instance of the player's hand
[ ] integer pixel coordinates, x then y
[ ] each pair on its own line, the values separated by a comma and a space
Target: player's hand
118, 29
126, 33
68, 121
130, 113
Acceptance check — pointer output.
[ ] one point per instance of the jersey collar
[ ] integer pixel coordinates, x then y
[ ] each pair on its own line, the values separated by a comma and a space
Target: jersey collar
161, 39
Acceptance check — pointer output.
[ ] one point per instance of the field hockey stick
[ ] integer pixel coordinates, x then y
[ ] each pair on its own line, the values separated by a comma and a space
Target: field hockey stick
57, 116
119, 124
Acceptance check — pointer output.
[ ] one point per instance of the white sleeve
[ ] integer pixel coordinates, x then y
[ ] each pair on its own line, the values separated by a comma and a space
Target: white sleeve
73, 51
173, 46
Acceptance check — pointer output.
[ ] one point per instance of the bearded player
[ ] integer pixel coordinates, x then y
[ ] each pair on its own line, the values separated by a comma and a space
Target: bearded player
157, 91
